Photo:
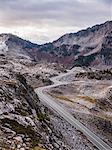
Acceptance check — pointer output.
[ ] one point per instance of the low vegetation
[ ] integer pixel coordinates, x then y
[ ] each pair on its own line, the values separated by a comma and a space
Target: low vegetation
37, 148
98, 75
88, 98
62, 97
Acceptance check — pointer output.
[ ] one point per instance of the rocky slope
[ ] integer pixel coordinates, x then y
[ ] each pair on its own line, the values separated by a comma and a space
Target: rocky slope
89, 99
13, 46
89, 47
24, 121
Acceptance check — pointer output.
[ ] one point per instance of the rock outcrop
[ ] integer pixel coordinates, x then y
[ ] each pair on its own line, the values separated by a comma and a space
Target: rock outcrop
24, 120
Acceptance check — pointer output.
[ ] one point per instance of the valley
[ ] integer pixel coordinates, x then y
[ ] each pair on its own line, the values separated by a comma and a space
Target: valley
88, 101
58, 95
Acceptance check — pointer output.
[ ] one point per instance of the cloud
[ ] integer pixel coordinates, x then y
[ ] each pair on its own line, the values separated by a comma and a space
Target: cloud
48, 19
107, 1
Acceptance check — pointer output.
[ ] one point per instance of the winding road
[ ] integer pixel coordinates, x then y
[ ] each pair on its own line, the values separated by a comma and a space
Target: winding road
48, 100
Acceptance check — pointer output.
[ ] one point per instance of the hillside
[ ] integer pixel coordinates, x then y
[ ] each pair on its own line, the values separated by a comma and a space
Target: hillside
26, 123
89, 47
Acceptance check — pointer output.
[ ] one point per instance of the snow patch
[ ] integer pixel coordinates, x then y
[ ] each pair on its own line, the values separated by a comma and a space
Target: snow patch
3, 47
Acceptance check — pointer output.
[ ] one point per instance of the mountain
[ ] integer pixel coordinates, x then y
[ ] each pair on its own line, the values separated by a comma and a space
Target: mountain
89, 47
92, 46
26, 123
14, 46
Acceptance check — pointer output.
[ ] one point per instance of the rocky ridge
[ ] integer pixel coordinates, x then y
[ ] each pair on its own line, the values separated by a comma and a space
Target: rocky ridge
89, 47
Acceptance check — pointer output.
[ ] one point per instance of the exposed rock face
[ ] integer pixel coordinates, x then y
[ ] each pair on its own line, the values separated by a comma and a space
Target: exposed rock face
14, 46
24, 121
90, 47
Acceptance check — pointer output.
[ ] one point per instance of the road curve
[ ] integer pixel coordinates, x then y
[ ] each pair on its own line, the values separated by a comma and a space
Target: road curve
47, 99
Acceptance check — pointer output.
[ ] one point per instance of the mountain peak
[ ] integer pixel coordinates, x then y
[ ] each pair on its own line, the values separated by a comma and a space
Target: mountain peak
14, 46
91, 46
72, 38
7, 36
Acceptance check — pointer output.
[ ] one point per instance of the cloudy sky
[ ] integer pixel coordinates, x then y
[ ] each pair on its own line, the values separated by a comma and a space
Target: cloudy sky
45, 20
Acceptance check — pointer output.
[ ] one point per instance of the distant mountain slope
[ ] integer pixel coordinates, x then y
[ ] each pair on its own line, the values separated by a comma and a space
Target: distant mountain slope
89, 47
14, 46
92, 46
